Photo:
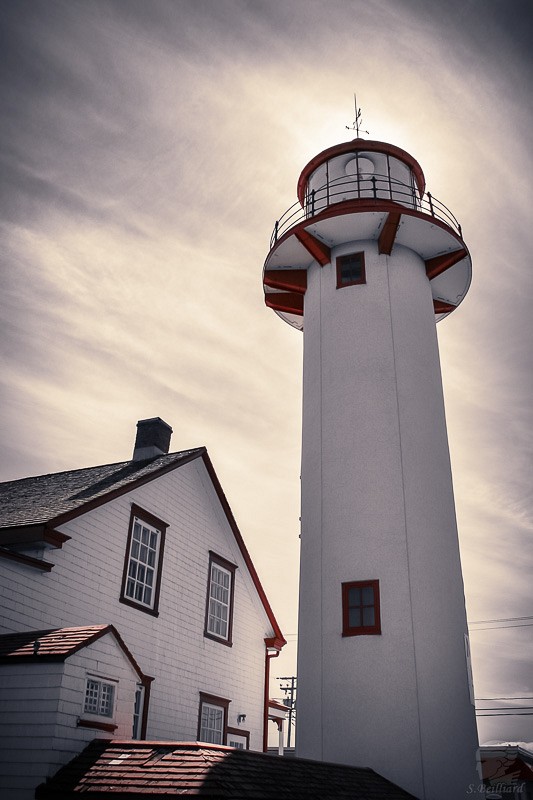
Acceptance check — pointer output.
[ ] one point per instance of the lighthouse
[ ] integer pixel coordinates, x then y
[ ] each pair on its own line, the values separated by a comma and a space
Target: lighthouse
365, 264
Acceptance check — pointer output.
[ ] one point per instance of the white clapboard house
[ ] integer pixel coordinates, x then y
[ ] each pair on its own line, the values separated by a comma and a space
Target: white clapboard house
130, 610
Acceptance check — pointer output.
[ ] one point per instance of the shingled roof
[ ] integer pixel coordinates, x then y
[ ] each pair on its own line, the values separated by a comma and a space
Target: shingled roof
56, 644
137, 770
52, 498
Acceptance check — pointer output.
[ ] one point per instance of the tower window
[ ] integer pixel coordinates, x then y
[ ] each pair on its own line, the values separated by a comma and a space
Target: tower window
360, 608
350, 269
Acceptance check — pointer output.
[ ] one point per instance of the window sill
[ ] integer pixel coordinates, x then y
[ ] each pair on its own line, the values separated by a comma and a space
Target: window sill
127, 602
95, 724
218, 639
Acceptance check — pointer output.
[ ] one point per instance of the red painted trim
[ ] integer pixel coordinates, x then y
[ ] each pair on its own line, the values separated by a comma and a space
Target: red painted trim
98, 726
278, 636
388, 233
147, 683
435, 266
158, 524
231, 568
33, 534
289, 302
356, 146
279, 706
266, 702
320, 251
360, 207
368, 630
238, 732
28, 561
290, 280
358, 281
441, 307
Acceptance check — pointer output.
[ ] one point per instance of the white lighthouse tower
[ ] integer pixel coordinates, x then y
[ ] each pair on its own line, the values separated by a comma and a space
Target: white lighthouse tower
365, 264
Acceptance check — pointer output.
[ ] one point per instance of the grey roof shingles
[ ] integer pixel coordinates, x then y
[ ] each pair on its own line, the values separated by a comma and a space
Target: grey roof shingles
137, 769
37, 500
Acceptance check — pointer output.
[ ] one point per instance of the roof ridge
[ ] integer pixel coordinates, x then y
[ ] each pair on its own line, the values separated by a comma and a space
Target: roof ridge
101, 466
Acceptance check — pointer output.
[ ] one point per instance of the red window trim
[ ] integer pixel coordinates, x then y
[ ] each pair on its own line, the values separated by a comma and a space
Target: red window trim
155, 522
213, 700
338, 264
96, 725
222, 562
368, 630
238, 732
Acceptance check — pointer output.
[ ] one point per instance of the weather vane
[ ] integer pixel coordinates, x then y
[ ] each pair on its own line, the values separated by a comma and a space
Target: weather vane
357, 121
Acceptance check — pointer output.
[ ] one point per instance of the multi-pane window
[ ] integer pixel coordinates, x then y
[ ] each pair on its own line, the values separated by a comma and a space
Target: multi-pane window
140, 586
212, 724
99, 698
360, 608
144, 551
219, 599
350, 269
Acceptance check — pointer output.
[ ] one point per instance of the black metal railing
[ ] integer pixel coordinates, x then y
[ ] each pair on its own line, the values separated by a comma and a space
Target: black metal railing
360, 187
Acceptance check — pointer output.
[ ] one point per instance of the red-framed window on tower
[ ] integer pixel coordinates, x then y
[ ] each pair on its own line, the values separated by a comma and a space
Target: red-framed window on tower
360, 608
350, 269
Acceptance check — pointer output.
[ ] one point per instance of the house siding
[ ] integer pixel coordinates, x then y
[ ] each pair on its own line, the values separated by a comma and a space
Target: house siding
40, 704
84, 588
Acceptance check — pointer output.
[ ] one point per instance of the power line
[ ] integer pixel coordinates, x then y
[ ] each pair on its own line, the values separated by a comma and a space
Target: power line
507, 714
525, 697
503, 619
508, 708
502, 627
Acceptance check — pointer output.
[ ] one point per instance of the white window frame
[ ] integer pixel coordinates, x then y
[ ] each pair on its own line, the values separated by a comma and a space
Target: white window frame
142, 563
239, 741
212, 722
220, 595
105, 708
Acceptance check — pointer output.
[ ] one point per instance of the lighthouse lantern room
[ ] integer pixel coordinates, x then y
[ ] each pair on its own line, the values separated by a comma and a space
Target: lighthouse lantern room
365, 263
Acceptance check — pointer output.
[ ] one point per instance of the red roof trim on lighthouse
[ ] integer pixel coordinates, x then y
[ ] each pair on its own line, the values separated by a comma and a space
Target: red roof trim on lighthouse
441, 307
355, 146
289, 302
434, 266
290, 280
388, 233
314, 247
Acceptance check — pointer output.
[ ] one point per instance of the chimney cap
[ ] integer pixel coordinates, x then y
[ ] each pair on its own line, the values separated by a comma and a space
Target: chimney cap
153, 439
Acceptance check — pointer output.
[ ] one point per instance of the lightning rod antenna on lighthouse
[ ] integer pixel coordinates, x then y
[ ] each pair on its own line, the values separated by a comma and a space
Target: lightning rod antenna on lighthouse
357, 121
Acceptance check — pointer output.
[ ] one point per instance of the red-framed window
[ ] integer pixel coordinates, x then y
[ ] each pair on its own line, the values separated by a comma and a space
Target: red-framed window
350, 269
141, 579
219, 604
213, 719
360, 608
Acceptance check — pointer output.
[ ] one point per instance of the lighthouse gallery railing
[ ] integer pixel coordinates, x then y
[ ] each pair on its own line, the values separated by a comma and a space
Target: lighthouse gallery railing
376, 187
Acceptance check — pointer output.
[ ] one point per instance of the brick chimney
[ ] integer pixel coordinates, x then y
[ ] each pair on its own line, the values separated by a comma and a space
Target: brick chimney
153, 439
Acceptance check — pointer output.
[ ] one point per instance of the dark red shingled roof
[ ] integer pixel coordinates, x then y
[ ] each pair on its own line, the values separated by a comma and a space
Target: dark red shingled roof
137, 770
56, 644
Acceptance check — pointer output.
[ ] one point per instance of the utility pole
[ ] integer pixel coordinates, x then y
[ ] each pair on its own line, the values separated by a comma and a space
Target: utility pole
290, 700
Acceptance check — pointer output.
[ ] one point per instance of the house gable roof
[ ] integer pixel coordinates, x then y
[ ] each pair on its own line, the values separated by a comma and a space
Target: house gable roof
57, 644
137, 769
30, 508
60, 496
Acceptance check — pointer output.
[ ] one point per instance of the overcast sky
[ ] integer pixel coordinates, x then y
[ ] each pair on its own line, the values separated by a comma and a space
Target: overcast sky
146, 150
